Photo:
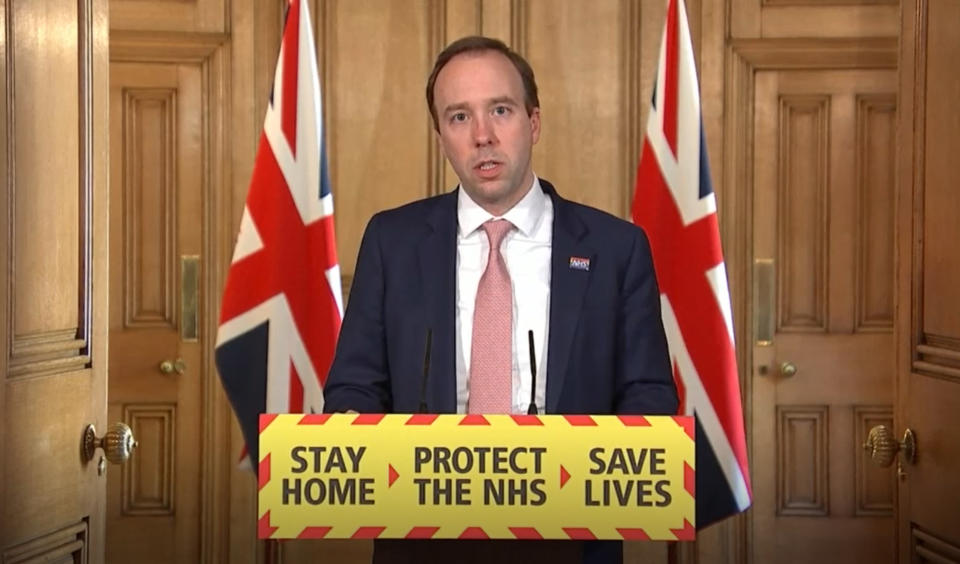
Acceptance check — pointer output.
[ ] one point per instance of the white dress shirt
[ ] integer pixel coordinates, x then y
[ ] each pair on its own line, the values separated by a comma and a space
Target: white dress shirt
526, 251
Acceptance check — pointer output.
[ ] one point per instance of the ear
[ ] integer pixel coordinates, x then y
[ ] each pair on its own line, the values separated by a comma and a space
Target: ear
439, 141
535, 125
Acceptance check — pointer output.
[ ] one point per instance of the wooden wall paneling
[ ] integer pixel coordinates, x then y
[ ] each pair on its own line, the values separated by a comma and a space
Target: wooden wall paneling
710, 42
858, 366
7, 164
53, 278
46, 276
440, 176
811, 53
830, 21
760, 403
44, 490
69, 544
155, 157
851, 170
651, 16
812, 3
47, 290
96, 97
940, 322
147, 222
744, 61
270, 17
575, 49
813, 18
927, 547
376, 59
496, 20
735, 208
254, 41
843, 243
802, 460
203, 60
876, 158
148, 480
744, 18
802, 212
460, 18
631, 58
217, 463
928, 271
170, 15
744, 58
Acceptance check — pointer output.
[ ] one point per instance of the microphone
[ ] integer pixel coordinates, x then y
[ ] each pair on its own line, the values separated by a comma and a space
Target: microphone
532, 410
426, 372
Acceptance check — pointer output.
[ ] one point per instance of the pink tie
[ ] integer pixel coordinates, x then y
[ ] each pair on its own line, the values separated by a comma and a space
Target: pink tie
491, 353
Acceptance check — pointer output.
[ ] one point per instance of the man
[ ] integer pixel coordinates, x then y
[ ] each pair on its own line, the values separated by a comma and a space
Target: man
427, 275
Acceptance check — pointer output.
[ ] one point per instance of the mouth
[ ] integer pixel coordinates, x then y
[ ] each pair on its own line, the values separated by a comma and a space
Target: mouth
488, 168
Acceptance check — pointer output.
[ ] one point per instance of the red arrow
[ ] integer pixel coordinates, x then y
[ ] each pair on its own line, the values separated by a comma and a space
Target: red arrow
564, 476
391, 475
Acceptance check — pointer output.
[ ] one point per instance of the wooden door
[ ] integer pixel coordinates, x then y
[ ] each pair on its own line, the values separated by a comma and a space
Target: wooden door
53, 278
154, 505
928, 337
823, 374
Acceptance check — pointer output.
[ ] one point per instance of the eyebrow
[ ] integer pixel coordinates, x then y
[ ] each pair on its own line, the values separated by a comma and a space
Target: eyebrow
503, 100
492, 102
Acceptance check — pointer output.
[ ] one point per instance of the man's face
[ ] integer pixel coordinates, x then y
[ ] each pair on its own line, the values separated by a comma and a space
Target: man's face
484, 128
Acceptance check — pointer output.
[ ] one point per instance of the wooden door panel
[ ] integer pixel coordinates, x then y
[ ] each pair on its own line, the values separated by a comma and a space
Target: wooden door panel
814, 18
49, 490
153, 506
928, 337
179, 15
53, 283
823, 213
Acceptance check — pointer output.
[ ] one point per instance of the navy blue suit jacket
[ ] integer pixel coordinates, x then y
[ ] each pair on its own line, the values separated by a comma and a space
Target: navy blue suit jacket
607, 352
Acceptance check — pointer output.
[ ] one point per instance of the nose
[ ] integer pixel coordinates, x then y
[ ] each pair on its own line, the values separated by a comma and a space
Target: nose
483, 133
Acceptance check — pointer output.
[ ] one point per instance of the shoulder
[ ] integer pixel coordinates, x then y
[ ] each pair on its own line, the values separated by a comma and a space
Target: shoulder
597, 219
601, 225
574, 215
414, 215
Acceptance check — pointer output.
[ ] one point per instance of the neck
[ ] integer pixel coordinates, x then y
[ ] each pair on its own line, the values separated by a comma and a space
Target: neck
499, 208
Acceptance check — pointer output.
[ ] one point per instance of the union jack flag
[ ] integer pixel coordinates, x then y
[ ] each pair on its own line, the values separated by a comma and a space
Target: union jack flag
282, 304
674, 202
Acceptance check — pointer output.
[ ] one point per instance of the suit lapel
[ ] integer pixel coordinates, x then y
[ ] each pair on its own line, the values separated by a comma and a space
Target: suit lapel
438, 273
567, 288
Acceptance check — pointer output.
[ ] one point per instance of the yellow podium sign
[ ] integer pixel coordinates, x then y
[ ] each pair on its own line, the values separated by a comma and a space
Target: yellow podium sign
476, 476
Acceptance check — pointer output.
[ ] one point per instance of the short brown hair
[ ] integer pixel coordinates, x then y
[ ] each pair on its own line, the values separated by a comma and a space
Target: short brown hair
479, 44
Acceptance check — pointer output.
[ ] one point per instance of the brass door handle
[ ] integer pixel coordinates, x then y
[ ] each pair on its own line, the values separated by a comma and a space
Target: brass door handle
787, 369
169, 367
117, 444
883, 448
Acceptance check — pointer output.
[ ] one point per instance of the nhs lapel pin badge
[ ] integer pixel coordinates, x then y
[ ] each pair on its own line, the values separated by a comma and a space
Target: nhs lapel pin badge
580, 263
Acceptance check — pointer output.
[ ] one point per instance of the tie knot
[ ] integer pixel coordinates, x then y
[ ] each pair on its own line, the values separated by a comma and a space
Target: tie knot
496, 230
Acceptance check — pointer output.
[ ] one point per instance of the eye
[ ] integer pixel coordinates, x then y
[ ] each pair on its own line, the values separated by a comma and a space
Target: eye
501, 110
459, 117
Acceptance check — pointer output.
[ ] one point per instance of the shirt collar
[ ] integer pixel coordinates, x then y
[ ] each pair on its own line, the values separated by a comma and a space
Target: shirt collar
525, 215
